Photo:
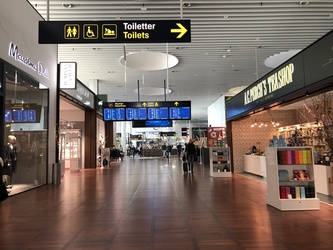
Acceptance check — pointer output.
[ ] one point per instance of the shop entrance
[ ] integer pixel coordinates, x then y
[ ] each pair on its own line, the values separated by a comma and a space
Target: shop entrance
71, 131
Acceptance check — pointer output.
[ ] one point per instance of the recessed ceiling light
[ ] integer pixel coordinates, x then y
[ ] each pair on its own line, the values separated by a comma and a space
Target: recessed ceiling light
67, 5
303, 2
143, 8
225, 16
187, 4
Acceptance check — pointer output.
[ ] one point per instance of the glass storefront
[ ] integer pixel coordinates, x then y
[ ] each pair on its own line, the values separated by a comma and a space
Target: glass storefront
25, 131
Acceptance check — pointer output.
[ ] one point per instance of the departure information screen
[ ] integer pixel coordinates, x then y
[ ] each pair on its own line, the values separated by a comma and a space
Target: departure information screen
22, 113
180, 113
136, 114
141, 111
114, 114
160, 113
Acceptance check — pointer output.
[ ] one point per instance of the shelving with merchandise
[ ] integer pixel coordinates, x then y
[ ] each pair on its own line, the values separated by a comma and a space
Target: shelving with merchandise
307, 134
290, 178
220, 162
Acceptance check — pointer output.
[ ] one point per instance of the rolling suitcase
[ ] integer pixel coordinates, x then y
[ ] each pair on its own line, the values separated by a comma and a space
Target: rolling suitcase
185, 166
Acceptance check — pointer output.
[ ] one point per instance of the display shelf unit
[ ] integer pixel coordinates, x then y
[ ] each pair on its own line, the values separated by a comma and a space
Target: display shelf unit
290, 178
220, 162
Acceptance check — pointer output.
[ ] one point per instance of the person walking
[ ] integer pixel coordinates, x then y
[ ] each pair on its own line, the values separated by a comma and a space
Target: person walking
164, 148
190, 154
179, 150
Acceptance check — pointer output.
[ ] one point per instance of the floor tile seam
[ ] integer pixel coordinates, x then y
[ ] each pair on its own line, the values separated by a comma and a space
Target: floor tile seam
118, 224
186, 219
153, 221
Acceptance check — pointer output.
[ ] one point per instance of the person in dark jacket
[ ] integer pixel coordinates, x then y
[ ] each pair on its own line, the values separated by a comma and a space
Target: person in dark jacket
190, 154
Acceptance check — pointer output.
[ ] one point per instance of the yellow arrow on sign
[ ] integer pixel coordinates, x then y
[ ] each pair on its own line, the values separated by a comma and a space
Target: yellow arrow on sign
176, 103
182, 30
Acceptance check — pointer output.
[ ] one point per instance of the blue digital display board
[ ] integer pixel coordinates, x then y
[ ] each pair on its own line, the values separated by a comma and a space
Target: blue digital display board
8, 116
114, 114
151, 123
24, 115
136, 114
158, 123
144, 111
158, 113
180, 113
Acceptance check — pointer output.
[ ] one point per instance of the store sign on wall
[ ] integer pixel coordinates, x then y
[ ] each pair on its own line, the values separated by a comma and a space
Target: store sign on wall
38, 67
67, 75
82, 94
267, 86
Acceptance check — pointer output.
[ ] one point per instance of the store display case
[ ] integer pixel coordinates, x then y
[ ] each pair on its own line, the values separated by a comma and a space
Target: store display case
220, 162
290, 178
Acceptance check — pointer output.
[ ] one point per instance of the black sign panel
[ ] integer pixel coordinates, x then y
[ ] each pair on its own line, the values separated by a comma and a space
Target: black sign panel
130, 31
318, 60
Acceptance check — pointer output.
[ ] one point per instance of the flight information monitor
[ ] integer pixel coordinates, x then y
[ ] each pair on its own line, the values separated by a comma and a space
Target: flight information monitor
147, 110
180, 113
158, 113
8, 116
158, 123
136, 114
22, 113
114, 114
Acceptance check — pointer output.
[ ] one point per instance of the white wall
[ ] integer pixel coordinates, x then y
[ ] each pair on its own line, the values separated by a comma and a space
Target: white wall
216, 113
19, 25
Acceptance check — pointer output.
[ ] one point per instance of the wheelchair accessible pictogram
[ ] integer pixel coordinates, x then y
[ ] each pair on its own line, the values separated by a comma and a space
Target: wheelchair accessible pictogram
90, 31
109, 31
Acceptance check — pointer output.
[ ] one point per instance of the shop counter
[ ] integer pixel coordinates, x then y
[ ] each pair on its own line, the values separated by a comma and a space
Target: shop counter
153, 152
322, 174
255, 164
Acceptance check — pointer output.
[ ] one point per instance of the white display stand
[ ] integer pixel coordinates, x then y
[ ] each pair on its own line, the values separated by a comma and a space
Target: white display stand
255, 164
274, 183
220, 162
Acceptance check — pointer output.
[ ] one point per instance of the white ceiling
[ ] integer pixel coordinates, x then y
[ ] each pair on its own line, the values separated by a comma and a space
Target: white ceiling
251, 30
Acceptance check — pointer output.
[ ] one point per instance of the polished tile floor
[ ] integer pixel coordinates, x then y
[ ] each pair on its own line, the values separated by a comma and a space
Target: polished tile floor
150, 204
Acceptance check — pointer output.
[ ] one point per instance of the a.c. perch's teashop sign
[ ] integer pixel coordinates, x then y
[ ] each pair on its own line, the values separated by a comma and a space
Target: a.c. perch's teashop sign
266, 87
281, 82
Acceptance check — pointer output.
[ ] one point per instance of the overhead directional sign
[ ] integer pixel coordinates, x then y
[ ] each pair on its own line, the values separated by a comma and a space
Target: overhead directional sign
136, 111
158, 31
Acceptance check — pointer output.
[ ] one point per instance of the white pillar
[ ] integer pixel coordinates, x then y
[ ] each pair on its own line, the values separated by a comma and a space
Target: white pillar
93, 85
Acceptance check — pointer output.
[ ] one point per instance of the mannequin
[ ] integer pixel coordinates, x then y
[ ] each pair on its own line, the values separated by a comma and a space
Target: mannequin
10, 158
